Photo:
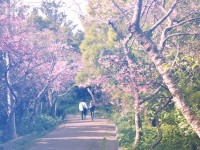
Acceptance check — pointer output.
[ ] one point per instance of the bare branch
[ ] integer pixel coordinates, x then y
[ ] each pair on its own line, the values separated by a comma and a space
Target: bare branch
184, 22
164, 33
137, 13
178, 34
120, 10
191, 13
100, 20
146, 12
164, 18
162, 86
78, 6
145, 7
115, 29
66, 91
127, 39
96, 12
144, 99
175, 58
165, 105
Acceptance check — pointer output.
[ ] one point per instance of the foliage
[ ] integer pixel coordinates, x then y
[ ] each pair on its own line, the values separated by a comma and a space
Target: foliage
174, 127
178, 57
126, 131
42, 123
42, 54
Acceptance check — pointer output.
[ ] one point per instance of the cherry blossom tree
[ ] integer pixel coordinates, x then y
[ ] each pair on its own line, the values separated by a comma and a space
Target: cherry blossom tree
153, 26
132, 79
34, 61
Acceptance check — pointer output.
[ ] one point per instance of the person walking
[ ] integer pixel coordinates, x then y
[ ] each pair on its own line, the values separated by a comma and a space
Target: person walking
83, 109
92, 108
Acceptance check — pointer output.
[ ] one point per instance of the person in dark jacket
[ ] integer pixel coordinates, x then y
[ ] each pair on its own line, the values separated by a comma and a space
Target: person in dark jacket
92, 108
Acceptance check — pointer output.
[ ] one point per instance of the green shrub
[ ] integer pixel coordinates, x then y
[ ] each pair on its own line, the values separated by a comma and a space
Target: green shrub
126, 131
45, 122
42, 123
174, 133
104, 111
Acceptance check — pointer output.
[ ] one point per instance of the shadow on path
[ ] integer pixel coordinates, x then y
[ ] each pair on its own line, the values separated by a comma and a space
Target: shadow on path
74, 134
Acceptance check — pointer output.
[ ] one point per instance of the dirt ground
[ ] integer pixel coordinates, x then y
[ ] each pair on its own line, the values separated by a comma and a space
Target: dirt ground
74, 134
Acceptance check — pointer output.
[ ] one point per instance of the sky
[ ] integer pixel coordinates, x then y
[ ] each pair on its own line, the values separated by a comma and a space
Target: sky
73, 9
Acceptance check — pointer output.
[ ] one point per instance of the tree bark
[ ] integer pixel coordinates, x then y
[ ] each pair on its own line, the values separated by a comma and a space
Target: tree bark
50, 97
9, 130
137, 120
10, 127
91, 94
159, 61
54, 107
134, 85
37, 104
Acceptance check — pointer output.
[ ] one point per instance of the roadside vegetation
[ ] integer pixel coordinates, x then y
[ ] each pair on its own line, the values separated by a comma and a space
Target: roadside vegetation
137, 60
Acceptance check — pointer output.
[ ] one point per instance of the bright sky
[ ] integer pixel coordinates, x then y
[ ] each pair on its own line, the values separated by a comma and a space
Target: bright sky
73, 8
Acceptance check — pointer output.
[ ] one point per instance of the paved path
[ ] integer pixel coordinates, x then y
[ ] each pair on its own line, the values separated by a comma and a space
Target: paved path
73, 134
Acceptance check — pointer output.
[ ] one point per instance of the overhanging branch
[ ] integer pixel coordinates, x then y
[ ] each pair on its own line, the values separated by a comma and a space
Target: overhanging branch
178, 34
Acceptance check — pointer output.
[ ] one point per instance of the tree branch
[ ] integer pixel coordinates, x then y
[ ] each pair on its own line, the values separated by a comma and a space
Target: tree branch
159, 134
164, 18
120, 10
78, 5
164, 33
91, 94
178, 34
115, 29
96, 12
144, 99
136, 16
191, 13
146, 12
184, 22
66, 91
100, 20
158, 125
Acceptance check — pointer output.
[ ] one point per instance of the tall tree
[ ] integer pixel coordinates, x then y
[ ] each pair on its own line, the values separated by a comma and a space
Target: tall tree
169, 21
34, 61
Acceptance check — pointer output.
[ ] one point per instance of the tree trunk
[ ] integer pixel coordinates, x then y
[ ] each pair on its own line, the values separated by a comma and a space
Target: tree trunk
37, 104
11, 124
91, 94
136, 143
35, 110
50, 97
133, 77
10, 128
157, 58
159, 61
9, 131
54, 107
